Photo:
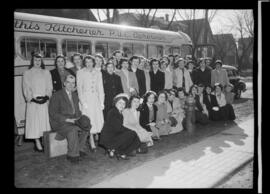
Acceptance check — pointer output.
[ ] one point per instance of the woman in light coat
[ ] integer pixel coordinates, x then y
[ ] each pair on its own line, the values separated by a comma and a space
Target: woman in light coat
37, 89
91, 96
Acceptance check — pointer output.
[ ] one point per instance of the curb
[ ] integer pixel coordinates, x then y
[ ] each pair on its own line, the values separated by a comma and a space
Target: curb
231, 173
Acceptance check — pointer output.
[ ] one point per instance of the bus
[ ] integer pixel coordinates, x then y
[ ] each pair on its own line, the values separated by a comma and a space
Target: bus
51, 36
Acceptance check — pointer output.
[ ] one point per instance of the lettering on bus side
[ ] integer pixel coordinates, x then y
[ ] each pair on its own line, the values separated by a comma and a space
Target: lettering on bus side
63, 28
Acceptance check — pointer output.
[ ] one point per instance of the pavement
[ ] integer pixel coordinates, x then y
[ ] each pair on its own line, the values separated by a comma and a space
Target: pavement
201, 165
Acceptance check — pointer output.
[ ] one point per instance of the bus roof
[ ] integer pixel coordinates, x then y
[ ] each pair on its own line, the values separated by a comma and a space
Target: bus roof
25, 22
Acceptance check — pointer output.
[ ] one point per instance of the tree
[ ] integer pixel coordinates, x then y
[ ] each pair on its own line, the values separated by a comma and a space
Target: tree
112, 15
243, 23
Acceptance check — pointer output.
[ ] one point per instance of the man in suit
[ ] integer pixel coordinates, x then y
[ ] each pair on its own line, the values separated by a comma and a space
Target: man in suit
64, 114
157, 78
134, 61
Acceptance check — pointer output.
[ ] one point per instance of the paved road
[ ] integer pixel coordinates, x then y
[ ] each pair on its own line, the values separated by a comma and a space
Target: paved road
201, 165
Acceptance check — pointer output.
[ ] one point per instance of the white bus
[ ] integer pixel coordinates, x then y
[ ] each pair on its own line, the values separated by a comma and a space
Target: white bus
54, 35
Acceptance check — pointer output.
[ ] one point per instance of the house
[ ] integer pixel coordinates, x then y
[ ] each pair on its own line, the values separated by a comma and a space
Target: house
82, 14
226, 48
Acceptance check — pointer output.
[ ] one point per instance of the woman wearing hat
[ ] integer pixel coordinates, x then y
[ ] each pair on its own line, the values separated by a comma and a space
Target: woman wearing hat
37, 88
219, 75
118, 140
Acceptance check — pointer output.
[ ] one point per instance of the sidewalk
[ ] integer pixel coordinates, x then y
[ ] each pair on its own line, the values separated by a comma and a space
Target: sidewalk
200, 165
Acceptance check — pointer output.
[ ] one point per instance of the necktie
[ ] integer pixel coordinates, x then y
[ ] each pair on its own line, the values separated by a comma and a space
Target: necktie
71, 101
183, 82
209, 98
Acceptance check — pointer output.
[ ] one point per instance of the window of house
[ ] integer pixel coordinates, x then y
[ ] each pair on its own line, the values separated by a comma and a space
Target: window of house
46, 47
154, 51
106, 48
130, 49
69, 47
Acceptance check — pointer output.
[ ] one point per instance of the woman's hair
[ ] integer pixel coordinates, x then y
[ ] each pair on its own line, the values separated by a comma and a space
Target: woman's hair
134, 57
89, 57
147, 94
122, 60
165, 57
163, 92
36, 55
228, 85
101, 57
218, 85
208, 86
108, 63
117, 51
191, 88
218, 62
117, 98
190, 62
131, 99
152, 61
180, 90
74, 55
57, 57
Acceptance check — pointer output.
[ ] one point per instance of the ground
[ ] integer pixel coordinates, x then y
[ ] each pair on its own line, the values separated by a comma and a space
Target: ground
35, 170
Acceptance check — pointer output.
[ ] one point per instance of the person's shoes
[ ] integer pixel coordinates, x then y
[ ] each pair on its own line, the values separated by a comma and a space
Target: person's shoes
110, 153
141, 151
38, 150
156, 138
132, 154
94, 150
83, 154
74, 159
122, 157
20, 140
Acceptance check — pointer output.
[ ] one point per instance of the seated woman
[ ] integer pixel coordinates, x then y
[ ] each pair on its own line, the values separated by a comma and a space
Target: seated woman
211, 104
162, 121
148, 115
226, 110
117, 139
182, 100
174, 110
131, 120
201, 113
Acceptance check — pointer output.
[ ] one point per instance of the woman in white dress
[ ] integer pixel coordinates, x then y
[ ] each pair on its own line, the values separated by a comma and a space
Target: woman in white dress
131, 120
37, 88
91, 96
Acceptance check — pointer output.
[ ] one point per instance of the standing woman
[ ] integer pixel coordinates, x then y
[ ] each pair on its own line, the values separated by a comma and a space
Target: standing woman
190, 68
118, 140
164, 63
91, 96
112, 86
37, 88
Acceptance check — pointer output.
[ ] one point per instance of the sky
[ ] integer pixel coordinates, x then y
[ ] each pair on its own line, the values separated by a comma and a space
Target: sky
222, 21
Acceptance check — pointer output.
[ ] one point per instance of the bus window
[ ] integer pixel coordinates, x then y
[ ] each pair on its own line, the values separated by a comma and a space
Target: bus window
169, 50
186, 50
69, 47
106, 48
154, 51
46, 47
130, 49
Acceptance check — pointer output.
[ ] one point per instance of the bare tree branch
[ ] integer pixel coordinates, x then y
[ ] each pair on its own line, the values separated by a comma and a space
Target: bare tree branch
153, 18
169, 25
98, 15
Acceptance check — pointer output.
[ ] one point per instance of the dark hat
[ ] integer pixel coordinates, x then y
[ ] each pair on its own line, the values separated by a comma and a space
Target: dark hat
84, 123
173, 121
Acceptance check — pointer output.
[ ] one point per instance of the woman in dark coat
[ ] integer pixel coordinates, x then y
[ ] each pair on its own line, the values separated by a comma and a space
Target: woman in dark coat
157, 77
117, 139
148, 114
112, 86
211, 104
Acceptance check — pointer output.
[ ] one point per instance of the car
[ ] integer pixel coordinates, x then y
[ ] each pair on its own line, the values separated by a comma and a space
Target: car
236, 80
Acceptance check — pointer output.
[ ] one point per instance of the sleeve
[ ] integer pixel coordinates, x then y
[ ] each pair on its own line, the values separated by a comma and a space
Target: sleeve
120, 87
100, 89
80, 87
174, 78
143, 121
212, 78
189, 79
49, 86
54, 107
26, 85
162, 81
134, 82
226, 77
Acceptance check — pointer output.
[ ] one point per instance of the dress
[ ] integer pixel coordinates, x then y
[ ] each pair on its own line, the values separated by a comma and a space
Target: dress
115, 136
91, 95
176, 111
131, 121
36, 82
162, 114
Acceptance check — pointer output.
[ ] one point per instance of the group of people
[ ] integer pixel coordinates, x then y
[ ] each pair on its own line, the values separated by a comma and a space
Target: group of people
121, 104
